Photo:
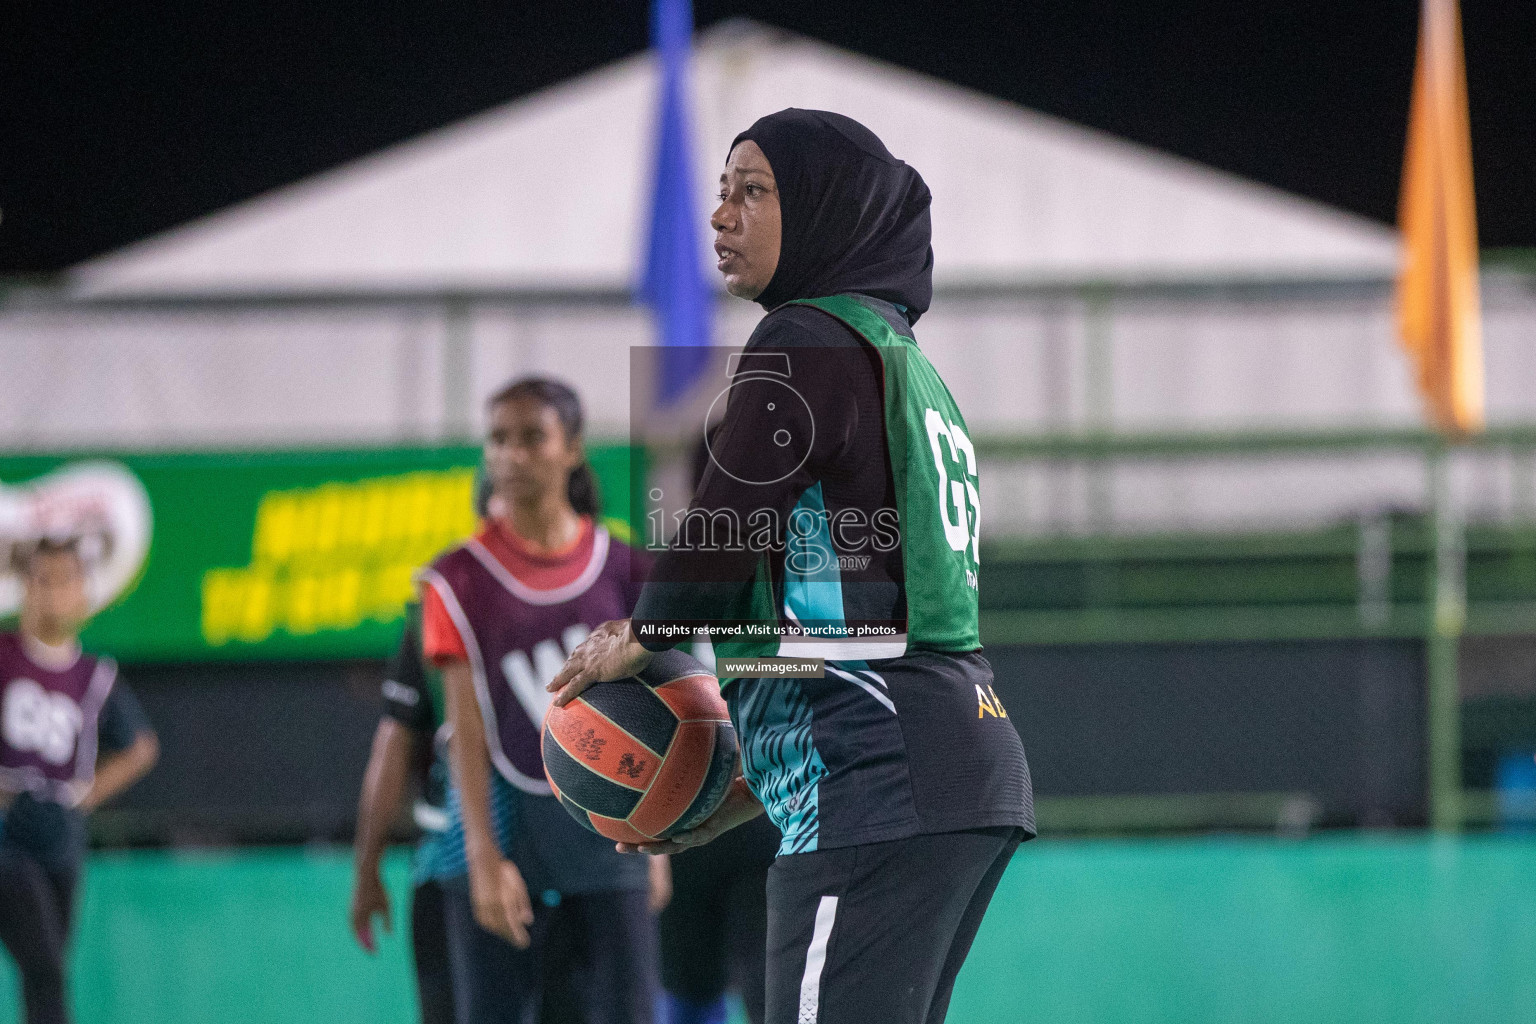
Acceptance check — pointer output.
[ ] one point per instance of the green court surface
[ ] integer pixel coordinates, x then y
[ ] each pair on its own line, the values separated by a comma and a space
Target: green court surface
1219, 930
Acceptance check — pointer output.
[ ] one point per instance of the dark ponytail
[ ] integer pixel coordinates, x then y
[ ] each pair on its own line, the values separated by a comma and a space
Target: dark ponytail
582, 491
581, 486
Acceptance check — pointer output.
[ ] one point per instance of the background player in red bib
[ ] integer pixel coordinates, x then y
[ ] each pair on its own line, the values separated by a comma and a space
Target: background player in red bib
550, 913
71, 737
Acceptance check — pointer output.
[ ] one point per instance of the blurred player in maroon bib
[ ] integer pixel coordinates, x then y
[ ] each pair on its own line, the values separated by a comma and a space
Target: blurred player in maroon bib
71, 737
50, 710
552, 923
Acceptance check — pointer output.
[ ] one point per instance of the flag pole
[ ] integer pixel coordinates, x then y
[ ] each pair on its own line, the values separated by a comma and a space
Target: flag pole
1439, 319
1446, 614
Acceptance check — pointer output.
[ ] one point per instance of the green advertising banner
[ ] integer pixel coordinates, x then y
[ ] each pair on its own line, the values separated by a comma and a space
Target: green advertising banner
254, 555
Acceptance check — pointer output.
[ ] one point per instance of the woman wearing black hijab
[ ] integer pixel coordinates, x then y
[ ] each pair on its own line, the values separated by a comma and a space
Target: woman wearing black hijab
897, 781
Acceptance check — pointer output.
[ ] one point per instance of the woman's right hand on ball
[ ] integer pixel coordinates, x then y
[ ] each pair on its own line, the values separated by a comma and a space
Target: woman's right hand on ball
609, 652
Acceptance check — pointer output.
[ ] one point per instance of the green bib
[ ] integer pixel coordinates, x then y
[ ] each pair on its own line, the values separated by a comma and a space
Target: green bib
937, 484
935, 473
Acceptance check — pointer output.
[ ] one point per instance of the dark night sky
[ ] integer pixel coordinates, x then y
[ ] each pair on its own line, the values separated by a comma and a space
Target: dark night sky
116, 123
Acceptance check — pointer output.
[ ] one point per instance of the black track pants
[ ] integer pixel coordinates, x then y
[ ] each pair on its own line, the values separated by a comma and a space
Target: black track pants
35, 911
429, 949
877, 933
593, 961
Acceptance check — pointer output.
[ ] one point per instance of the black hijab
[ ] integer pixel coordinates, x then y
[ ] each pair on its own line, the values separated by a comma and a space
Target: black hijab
855, 217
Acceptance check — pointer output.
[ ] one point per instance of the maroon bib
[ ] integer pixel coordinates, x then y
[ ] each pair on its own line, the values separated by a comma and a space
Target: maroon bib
518, 639
48, 721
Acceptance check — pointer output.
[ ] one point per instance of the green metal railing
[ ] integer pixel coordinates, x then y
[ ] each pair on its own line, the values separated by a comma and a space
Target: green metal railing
1436, 608
1082, 446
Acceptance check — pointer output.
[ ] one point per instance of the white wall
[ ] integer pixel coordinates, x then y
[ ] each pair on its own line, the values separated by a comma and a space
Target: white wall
79, 377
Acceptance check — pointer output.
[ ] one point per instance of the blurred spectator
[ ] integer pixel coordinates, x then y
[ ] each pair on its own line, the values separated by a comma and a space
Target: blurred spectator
72, 736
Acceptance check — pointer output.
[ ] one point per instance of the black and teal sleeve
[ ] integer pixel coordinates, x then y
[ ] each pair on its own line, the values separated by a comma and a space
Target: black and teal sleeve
407, 697
780, 428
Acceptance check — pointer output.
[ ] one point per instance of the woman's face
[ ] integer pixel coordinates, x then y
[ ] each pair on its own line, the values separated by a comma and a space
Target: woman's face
747, 226
527, 454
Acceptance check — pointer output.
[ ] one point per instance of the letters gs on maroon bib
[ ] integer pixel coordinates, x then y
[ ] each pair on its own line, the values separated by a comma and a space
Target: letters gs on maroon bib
48, 721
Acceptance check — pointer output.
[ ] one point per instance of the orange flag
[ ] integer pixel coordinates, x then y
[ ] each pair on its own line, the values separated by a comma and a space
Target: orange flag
1437, 295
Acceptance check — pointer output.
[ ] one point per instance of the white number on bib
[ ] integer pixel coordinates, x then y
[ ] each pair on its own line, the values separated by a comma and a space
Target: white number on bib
959, 495
32, 719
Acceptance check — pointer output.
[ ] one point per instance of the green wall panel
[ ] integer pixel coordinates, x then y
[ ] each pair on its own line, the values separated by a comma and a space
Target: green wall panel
1399, 930
1215, 931
306, 554
249, 937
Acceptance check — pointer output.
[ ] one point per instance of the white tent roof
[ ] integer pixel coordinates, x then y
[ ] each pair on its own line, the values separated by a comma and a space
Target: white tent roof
551, 192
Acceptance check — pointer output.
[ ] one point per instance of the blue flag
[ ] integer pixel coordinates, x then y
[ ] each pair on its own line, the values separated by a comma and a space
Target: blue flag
673, 283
